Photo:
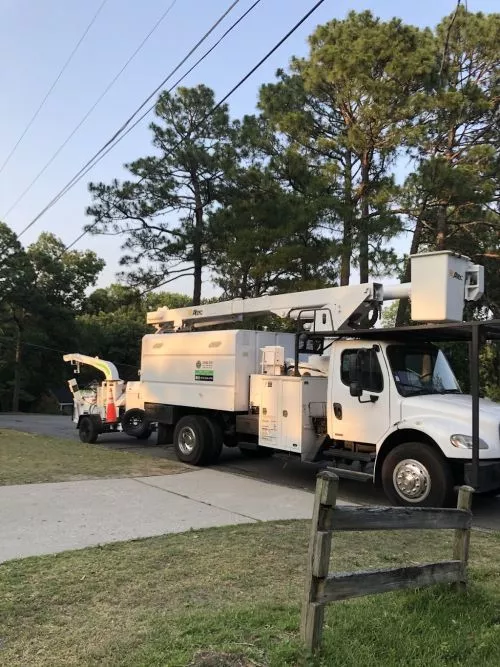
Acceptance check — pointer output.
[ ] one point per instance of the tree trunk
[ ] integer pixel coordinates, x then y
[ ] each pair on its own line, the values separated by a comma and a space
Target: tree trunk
17, 372
441, 228
197, 242
346, 251
363, 225
403, 314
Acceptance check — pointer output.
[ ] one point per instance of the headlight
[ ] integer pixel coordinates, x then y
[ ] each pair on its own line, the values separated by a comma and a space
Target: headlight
465, 441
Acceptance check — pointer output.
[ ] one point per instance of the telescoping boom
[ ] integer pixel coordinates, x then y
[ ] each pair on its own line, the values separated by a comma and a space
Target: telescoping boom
440, 284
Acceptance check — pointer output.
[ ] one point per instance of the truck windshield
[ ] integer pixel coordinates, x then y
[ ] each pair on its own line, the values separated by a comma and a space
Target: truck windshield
421, 370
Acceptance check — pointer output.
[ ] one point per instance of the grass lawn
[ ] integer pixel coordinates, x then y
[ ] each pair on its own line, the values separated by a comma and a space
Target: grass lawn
230, 597
27, 458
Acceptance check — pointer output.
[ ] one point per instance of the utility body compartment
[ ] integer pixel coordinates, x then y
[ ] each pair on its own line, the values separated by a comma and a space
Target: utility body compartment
286, 407
207, 369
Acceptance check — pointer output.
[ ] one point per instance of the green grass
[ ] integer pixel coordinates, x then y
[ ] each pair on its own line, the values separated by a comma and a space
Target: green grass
26, 458
230, 597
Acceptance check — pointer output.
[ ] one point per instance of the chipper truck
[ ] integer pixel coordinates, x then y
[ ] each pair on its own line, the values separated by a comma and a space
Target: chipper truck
374, 404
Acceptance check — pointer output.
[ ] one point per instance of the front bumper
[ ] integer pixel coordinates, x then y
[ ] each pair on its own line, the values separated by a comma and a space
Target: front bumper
488, 475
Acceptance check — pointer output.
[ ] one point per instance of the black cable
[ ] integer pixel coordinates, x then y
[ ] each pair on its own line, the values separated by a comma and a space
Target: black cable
53, 349
70, 184
207, 115
94, 106
169, 90
54, 84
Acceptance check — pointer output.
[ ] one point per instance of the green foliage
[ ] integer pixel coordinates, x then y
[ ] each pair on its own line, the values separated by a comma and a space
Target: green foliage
162, 211
452, 196
43, 290
349, 107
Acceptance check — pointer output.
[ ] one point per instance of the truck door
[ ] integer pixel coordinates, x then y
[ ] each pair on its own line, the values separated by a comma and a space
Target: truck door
364, 418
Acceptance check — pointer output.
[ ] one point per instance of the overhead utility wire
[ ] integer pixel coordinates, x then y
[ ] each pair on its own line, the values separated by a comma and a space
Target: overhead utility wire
216, 106
205, 55
54, 84
70, 184
53, 349
92, 108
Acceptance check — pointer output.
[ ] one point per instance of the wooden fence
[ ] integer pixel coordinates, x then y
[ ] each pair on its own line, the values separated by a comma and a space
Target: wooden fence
323, 587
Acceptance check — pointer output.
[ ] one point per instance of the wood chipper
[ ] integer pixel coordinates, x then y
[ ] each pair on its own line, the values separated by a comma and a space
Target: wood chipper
109, 406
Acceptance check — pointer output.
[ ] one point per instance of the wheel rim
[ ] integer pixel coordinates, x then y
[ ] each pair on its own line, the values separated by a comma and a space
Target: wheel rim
412, 480
186, 440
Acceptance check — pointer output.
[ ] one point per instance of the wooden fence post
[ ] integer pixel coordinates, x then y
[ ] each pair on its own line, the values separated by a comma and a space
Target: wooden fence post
462, 536
318, 558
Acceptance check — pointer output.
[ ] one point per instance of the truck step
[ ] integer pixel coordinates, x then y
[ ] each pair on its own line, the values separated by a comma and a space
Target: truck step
351, 474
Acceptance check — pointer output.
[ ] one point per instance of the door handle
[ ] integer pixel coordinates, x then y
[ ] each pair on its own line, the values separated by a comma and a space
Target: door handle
337, 410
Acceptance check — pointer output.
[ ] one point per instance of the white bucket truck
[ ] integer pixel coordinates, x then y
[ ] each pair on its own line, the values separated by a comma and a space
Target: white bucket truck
378, 404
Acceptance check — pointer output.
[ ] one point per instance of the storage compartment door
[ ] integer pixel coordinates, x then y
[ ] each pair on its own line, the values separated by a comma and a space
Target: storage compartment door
269, 422
291, 415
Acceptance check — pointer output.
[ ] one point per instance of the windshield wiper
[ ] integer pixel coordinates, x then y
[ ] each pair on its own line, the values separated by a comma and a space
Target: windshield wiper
450, 391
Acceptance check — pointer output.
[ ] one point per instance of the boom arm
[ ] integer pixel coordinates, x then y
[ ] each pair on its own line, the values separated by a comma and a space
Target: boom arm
441, 282
331, 308
107, 367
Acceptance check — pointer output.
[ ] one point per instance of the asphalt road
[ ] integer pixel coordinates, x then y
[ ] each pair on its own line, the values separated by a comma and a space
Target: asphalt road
280, 469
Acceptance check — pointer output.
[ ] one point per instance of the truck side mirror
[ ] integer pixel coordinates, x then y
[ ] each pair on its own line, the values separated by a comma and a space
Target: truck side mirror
355, 388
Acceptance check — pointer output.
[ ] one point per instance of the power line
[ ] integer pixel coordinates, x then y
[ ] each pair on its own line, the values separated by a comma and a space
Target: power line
207, 115
129, 120
54, 84
110, 148
53, 349
89, 112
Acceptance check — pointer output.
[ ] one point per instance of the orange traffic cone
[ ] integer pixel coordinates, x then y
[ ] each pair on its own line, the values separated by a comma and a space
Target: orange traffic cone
110, 406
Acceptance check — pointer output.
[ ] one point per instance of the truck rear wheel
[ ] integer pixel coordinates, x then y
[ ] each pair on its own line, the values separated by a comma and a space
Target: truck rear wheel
88, 430
414, 474
217, 439
193, 440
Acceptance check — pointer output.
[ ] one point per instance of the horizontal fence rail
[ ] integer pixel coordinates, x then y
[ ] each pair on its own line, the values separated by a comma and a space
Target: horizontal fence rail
356, 584
323, 587
398, 518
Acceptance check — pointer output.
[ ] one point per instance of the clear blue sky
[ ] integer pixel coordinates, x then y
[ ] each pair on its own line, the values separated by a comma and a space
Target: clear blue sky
37, 37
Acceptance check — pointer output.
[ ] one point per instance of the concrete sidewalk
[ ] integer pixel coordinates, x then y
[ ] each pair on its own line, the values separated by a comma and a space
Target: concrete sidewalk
38, 519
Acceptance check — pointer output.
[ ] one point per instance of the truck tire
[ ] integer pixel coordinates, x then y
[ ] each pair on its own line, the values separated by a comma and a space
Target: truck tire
135, 424
193, 440
88, 430
414, 474
217, 435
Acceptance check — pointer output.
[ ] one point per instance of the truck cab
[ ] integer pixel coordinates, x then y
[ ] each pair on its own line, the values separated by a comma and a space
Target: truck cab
396, 413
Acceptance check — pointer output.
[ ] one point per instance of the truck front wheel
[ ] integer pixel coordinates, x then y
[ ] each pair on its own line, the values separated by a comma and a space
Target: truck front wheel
414, 474
193, 440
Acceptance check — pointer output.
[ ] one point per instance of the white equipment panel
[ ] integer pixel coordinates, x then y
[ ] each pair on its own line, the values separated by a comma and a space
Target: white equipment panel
205, 369
286, 407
